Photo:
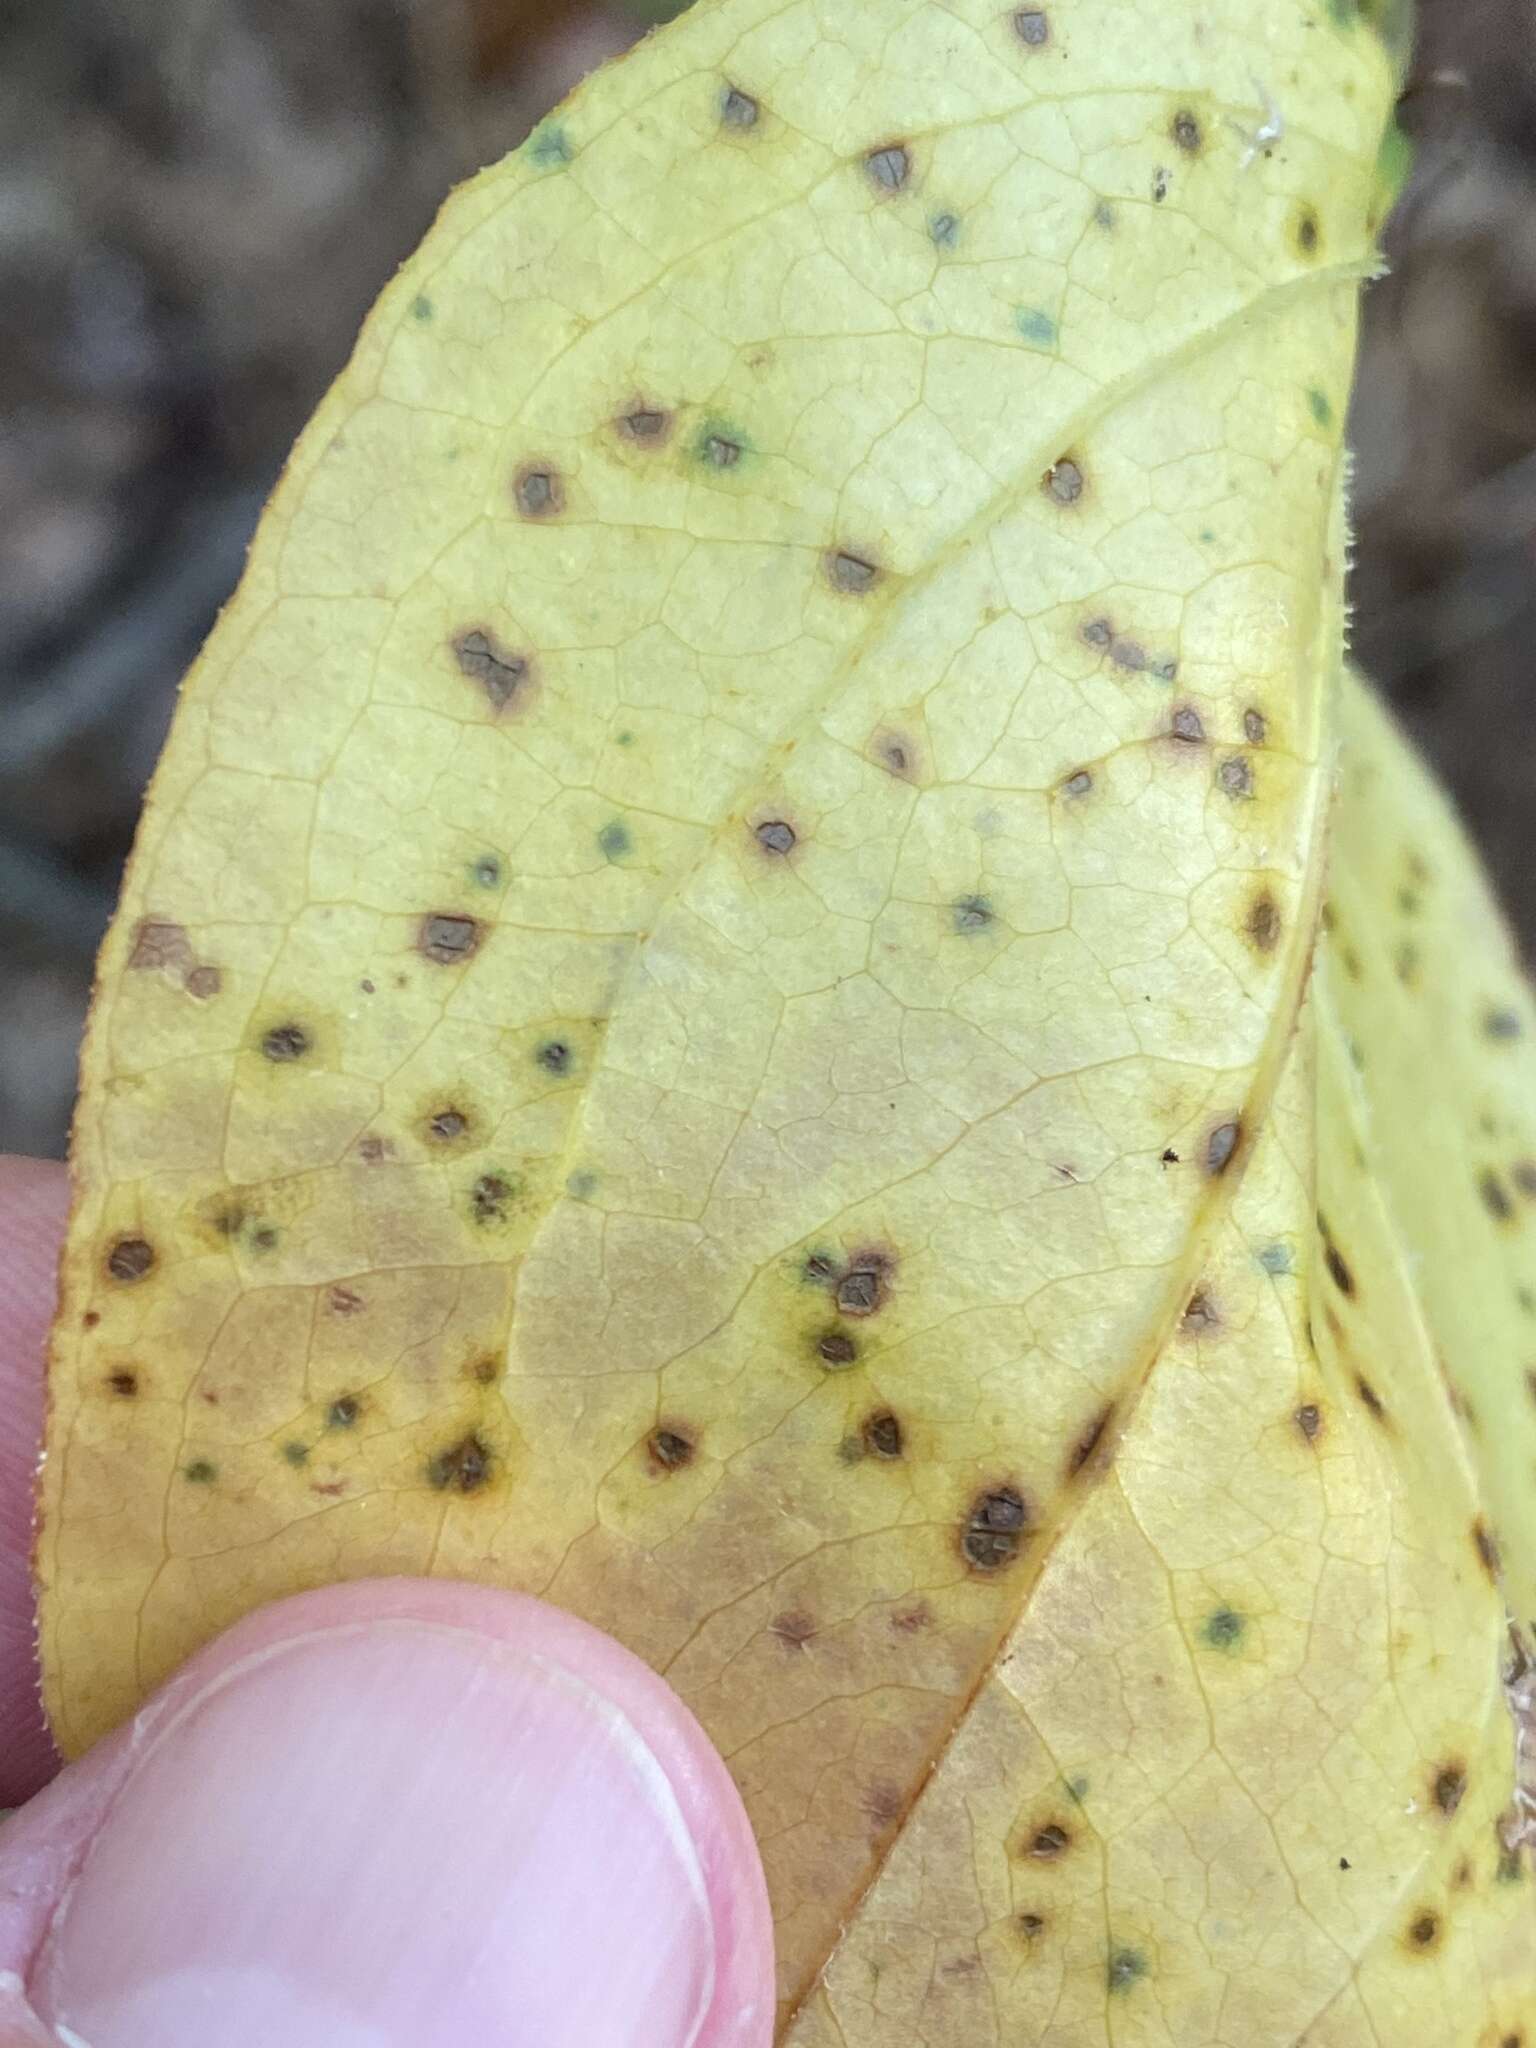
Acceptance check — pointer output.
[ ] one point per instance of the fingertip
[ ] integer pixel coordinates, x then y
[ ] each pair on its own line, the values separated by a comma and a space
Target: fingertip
511, 1815
34, 1203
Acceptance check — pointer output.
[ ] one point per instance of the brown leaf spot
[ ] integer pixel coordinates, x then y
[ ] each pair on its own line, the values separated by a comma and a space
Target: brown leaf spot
1370, 1398
158, 945
1049, 1842
1031, 1925
1309, 1420
1200, 1316
1032, 26
485, 1371
1338, 1271
539, 491
1091, 1438
499, 672
448, 939
1449, 1787
1495, 1196
1263, 926
889, 166
1077, 784
1307, 232
463, 1468
204, 983
91, 1318
865, 1285
1424, 1932
738, 109
1098, 633
489, 1197
794, 1628
1187, 725
896, 755
124, 1384
344, 1301
447, 1125
1236, 775
374, 1149
1063, 483
994, 1529
883, 1802
836, 1350
284, 1043
1186, 132
1255, 727
911, 1621
883, 1435
1486, 1546
130, 1259
343, 1412
851, 574
647, 425
670, 1448
1129, 655
1221, 1145
775, 836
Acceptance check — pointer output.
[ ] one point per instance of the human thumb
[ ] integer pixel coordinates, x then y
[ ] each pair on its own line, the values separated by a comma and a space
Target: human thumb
391, 1815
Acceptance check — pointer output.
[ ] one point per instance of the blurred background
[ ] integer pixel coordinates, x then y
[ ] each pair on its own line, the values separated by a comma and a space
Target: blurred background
199, 199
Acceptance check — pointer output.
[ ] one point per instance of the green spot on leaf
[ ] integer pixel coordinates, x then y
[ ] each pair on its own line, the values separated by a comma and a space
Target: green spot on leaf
550, 147
421, 307
1036, 326
1225, 1629
1127, 1966
1322, 409
200, 1472
296, 1453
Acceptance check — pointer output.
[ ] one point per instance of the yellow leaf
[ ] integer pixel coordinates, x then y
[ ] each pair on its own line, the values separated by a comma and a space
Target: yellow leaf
715, 1017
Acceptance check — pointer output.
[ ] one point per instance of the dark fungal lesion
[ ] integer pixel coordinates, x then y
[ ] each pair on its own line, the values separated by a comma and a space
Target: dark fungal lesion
1370, 1400
853, 575
343, 1412
491, 1197
538, 491
1032, 26
670, 1447
888, 166
648, 426
1308, 1419
1495, 1197
463, 1467
836, 1350
776, 836
1064, 482
971, 914
1221, 1146
994, 1528
1185, 131
123, 1383
1049, 1843
448, 938
739, 110
1091, 1440
883, 1435
555, 1056
130, 1259
284, 1043
500, 671
1224, 1629
1448, 1787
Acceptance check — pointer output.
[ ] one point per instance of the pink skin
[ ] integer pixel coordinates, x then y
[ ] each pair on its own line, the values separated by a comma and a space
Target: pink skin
396, 1811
